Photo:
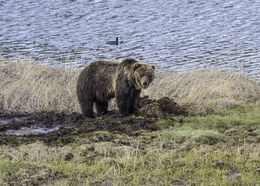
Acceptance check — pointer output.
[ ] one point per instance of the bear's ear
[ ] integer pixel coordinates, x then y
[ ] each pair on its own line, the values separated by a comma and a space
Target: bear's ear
137, 65
153, 67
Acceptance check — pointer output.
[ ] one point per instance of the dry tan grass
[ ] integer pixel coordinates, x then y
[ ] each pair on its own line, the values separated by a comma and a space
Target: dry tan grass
206, 86
30, 87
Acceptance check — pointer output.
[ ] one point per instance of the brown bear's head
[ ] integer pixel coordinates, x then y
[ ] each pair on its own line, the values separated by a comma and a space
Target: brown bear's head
143, 74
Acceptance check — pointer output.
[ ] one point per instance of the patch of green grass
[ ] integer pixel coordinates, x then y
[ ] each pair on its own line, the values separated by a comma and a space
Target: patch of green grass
7, 166
12, 170
14, 173
162, 124
240, 122
192, 136
223, 166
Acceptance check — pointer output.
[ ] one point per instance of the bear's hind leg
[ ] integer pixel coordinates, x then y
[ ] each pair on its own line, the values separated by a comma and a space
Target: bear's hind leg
101, 107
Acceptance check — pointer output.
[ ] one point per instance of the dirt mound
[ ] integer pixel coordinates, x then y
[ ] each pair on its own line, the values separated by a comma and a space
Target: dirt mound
161, 108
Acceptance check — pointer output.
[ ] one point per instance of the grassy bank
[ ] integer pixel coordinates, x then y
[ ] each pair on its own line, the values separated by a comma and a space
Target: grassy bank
29, 87
222, 148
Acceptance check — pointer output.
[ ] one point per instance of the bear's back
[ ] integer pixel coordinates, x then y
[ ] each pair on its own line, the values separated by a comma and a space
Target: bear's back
101, 68
103, 64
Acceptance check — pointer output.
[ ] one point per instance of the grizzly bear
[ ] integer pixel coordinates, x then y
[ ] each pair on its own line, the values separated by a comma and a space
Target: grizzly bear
102, 80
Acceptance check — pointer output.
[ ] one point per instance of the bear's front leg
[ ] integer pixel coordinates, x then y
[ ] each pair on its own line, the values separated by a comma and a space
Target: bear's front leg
87, 108
123, 99
123, 104
135, 97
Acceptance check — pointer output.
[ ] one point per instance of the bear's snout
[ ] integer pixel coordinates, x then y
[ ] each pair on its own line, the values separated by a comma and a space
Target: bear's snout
145, 82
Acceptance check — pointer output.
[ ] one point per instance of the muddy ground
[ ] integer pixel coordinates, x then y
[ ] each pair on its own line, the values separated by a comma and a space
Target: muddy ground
54, 128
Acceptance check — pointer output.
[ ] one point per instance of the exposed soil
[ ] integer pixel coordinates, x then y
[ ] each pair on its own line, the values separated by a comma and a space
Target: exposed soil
52, 127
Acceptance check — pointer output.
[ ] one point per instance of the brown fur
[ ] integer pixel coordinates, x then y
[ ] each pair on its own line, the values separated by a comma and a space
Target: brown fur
103, 80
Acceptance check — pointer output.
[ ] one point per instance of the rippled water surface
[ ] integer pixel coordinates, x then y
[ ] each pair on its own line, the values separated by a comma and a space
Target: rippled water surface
174, 35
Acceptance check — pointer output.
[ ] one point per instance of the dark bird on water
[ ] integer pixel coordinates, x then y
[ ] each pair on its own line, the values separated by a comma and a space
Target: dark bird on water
113, 42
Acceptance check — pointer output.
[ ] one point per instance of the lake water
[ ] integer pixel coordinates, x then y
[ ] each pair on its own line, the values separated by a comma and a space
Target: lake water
174, 35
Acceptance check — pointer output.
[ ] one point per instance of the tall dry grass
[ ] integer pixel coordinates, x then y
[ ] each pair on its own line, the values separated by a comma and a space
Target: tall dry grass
29, 87
206, 86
